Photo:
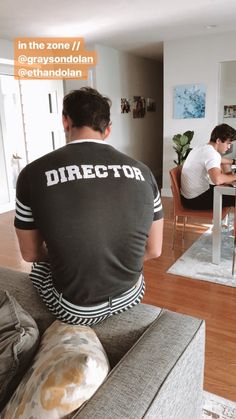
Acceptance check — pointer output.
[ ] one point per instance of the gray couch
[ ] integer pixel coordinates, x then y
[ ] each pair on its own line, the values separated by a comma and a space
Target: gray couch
157, 359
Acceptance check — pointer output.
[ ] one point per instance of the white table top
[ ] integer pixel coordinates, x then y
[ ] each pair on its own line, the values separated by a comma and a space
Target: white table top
227, 189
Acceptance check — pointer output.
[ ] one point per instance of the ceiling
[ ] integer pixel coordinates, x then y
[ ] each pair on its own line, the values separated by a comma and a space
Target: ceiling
135, 26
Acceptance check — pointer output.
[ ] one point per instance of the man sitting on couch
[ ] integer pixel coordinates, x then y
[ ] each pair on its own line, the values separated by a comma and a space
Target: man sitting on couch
88, 216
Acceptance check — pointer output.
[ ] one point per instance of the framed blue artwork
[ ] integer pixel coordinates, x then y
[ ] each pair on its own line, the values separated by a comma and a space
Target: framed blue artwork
189, 101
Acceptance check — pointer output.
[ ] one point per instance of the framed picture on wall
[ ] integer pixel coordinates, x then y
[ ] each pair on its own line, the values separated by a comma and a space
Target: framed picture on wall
139, 107
125, 105
189, 101
151, 104
229, 111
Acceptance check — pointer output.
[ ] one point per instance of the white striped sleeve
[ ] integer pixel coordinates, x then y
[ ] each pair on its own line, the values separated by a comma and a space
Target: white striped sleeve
158, 210
23, 216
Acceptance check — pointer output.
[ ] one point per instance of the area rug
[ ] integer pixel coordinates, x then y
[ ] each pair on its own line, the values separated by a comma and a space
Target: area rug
196, 262
216, 407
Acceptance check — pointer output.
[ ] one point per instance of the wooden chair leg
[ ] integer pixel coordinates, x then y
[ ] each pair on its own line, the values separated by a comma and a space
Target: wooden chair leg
184, 225
174, 231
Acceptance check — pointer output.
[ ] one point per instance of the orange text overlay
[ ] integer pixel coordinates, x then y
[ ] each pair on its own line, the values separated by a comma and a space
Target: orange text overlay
52, 58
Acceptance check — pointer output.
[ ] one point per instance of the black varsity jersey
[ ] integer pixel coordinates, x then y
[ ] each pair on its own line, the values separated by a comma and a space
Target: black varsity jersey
93, 206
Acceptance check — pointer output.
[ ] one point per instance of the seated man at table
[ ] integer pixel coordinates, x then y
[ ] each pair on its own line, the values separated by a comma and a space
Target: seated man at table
205, 167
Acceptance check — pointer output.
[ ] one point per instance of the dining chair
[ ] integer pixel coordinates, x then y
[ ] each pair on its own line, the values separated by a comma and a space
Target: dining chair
180, 210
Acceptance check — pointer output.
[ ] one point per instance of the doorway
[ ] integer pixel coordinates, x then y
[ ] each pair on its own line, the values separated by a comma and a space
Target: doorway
30, 126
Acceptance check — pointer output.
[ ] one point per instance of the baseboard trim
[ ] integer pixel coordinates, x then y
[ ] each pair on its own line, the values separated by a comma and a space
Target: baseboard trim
166, 192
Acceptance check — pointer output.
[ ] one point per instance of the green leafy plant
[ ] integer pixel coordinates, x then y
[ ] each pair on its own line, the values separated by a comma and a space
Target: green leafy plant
182, 146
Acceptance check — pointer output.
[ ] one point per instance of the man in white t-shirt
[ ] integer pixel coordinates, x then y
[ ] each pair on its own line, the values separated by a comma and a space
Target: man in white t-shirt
205, 167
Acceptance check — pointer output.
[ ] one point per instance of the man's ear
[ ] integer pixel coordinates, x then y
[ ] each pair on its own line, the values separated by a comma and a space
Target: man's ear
107, 132
65, 123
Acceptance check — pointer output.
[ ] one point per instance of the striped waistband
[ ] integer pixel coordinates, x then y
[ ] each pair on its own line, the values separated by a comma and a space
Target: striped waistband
111, 301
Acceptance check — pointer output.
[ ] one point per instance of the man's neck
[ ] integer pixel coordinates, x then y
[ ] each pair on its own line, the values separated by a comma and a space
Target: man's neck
84, 133
214, 145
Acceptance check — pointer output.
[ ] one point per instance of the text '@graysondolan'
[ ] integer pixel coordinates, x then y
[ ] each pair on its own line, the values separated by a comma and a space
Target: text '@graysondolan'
89, 171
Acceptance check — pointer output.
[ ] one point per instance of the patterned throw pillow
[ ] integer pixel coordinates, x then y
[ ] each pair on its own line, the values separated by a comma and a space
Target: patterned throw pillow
67, 370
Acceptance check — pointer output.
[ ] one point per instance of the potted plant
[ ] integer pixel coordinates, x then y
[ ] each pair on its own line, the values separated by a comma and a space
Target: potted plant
182, 146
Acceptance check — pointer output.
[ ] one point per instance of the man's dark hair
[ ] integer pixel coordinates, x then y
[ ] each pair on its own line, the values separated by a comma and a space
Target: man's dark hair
87, 107
224, 132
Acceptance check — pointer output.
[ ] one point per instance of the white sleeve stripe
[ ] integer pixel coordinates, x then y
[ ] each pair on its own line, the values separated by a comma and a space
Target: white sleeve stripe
22, 205
18, 209
157, 202
157, 197
29, 220
158, 209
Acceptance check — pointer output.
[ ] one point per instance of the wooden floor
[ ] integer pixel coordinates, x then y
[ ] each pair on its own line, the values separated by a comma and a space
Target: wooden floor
214, 303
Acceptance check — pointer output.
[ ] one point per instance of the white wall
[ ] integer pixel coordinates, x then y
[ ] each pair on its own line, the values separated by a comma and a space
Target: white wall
187, 61
77, 84
228, 96
227, 90
118, 75
6, 49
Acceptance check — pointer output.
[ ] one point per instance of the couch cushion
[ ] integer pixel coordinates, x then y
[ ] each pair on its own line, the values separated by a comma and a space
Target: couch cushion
19, 338
160, 377
20, 286
119, 333
69, 367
